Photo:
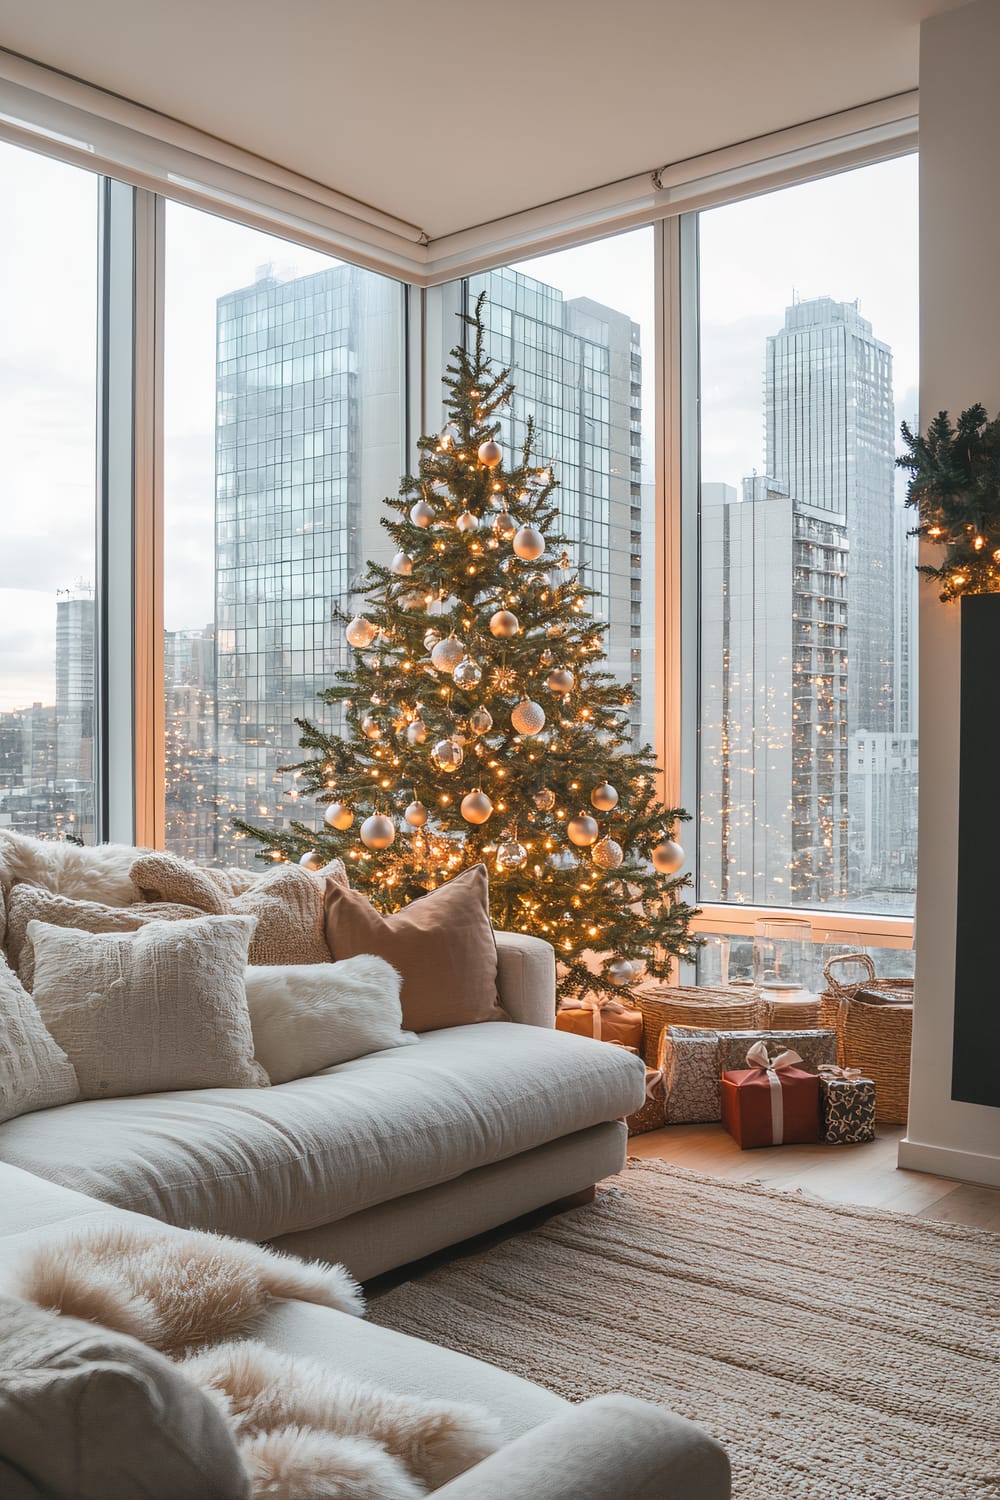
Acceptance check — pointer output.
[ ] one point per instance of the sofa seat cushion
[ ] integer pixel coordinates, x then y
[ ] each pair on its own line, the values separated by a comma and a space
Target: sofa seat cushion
263, 1163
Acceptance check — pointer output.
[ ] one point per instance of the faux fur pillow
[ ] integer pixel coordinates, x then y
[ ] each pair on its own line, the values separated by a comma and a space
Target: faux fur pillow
288, 905
141, 1012
30, 903
34, 1072
93, 873
310, 1016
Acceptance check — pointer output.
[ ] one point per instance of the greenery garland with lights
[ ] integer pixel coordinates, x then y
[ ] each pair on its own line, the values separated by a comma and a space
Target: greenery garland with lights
482, 725
955, 487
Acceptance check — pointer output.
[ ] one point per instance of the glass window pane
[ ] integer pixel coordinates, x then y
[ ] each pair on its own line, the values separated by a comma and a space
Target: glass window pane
48, 366
283, 432
807, 678
577, 329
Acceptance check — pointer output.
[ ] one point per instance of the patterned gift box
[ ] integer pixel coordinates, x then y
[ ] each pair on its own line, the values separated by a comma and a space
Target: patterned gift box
693, 1060
814, 1047
846, 1106
649, 1116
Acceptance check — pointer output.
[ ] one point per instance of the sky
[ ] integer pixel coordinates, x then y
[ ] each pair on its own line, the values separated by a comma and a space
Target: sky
850, 236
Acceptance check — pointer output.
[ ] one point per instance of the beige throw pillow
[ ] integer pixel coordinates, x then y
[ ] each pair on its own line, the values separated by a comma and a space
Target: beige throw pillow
442, 945
34, 1072
160, 1009
164, 877
30, 903
288, 905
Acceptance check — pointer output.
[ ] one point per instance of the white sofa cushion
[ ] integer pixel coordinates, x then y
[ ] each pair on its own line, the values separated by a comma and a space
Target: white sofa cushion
259, 1164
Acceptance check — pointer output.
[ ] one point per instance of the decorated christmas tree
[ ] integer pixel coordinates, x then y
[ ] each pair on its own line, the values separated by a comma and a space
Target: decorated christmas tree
481, 724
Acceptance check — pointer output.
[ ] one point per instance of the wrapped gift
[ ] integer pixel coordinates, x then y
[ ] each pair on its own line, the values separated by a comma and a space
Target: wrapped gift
689, 1063
846, 1106
607, 1020
651, 1115
772, 1102
813, 1047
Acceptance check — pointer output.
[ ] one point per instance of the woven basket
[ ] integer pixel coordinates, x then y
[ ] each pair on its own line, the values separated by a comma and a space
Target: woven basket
789, 1015
872, 1036
684, 1005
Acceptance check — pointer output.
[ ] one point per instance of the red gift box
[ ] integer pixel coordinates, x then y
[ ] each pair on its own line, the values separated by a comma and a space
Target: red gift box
771, 1103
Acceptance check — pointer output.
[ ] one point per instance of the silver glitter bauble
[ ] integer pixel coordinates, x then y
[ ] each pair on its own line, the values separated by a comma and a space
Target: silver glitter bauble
312, 861
447, 654
431, 639
504, 624
481, 722
338, 815
447, 756
511, 855
476, 807
505, 526
544, 799
561, 680
604, 797
528, 717
416, 732
416, 815
607, 855
667, 857
489, 453
468, 674
360, 632
422, 514
582, 830
620, 971
466, 522
402, 564
528, 544
371, 727
378, 831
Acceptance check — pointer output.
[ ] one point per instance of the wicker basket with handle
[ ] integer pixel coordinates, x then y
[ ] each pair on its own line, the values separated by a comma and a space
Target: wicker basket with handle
874, 1024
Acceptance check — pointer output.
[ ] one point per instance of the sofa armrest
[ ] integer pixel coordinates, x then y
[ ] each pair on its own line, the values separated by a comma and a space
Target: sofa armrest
526, 978
606, 1449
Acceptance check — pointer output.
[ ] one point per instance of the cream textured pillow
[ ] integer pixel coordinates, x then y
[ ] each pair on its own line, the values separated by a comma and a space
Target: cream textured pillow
163, 877
34, 1072
310, 1016
30, 903
442, 944
143, 1012
288, 905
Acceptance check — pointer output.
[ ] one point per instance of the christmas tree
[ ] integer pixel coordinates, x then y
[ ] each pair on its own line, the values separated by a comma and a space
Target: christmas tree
480, 724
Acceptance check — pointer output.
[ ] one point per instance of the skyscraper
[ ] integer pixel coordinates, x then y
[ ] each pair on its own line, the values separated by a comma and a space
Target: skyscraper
75, 683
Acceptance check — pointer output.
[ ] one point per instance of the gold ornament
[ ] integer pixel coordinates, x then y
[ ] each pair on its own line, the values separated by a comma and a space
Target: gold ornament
476, 807
504, 623
360, 632
481, 722
416, 814
378, 831
447, 654
489, 453
607, 855
402, 564
511, 855
544, 799
311, 861
561, 680
667, 857
467, 522
528, 544
528, 717
338, 815
605, 797
503, 679
416, 732
447, 755
467, 674
582, 830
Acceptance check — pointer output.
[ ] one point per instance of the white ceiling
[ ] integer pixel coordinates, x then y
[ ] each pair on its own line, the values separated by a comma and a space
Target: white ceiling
450, 113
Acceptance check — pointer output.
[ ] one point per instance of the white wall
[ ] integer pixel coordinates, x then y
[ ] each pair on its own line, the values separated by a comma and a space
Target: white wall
960, 365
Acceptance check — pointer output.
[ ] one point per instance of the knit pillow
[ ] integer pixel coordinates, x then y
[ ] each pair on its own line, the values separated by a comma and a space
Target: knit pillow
141, 1012
34, 1072
442, 944
288, 905
164, 877
30, 903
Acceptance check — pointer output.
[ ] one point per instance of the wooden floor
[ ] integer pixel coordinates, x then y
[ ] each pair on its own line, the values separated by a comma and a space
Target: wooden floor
846, 1174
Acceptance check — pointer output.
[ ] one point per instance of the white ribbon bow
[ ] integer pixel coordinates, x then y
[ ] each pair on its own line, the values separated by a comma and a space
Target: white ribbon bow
596, 1006
830, 1070
757, 1058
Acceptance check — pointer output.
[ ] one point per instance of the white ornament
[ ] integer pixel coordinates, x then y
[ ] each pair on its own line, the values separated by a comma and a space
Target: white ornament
467, 521
490, 453
605, 797
561, 680
416, 732
422, 514
511, 855
504, 623
371, 727
378, 831
402, 564
338, 815
312, 861
582, 830
360, 632
505, 526
528, 717
667, 857
431, 639
416, 815
607, 855
447, 755
481, 722
467, 674
544, 799
528, 544
620, 971
447, 654
476, 807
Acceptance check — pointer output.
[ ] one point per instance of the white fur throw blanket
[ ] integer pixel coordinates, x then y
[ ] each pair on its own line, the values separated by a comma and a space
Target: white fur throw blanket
304, 1432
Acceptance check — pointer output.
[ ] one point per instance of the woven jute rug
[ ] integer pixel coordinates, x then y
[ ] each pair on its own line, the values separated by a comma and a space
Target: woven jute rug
836, 1352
